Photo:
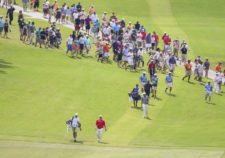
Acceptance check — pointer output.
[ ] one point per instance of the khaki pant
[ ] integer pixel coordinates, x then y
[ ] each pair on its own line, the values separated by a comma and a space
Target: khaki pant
99, 133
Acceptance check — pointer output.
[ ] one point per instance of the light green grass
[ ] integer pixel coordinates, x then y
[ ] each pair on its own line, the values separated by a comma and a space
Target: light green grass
41, 89
36, 150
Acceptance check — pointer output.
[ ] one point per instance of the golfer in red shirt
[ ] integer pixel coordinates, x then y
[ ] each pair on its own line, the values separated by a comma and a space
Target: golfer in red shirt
100, 124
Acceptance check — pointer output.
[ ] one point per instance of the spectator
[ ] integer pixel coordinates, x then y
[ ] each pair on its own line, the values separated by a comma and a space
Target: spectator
206, 67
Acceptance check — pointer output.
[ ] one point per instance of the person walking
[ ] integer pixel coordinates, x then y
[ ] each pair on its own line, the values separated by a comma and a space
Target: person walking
187, 67
184, 50
10, 14
135, 95
69, 45
143, 79
208, 92
206, 67
2, 23
25, 5
147, 88
145, 102
169, 82
6, 29
100, 125
75, 125
154, 85
216, 83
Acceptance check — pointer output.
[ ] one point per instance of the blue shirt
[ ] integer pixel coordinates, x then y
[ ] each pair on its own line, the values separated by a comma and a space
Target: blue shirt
135, 92
116, 28
87, 42
125, 52
172, 60
1, 23
143, 78
169, 78
154, 80
208, 88
148, 38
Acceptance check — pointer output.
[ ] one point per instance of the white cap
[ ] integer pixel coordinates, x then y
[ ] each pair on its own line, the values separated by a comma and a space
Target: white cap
144, 72
100, 116
76, 114
155, 74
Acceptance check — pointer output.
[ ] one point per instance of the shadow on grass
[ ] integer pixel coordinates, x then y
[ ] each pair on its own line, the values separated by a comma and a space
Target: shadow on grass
210, 103
172, 95
4, 65
77, 142
103, 143
138, 108
190, 82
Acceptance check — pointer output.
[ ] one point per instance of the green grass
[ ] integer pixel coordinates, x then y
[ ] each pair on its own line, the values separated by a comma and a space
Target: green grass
42, 88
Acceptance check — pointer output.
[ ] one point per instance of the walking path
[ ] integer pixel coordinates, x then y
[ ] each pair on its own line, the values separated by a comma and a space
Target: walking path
22, 148
38, 15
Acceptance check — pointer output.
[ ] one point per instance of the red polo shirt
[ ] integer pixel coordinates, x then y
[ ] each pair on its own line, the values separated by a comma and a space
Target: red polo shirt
100, 123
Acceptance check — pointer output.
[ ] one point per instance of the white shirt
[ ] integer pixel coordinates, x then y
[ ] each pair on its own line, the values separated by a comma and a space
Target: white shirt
75, 15
75, 122
106, 30
69, 41
94, 17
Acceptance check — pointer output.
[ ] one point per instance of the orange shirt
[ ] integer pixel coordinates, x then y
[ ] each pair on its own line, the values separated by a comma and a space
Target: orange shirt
188, 67
218, 68
105, 48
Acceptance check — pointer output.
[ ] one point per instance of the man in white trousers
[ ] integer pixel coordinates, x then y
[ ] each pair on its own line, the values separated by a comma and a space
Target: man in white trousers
101, 125
145, 102
75, 125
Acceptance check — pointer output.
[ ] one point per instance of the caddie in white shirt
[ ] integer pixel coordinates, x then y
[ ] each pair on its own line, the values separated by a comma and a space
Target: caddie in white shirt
75, 125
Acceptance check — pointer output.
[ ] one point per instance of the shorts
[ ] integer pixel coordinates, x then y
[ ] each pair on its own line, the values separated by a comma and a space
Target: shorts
188, 73
77, 27
75, 129
169, 85
88, 27
1, 29
81, 46
125, 58
148, 45
208, 94
172, 67
36, 5
106, 54
184, 57
143, 84
154, 87
153, 45
69, 47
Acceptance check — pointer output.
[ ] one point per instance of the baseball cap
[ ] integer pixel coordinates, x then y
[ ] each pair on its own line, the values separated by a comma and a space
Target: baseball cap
100, 116
155, 74
144, 72
76, 114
